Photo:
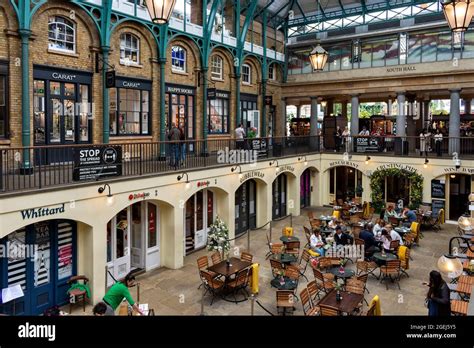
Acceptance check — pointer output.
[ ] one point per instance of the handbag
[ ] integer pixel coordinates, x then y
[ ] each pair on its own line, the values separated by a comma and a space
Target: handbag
432, 308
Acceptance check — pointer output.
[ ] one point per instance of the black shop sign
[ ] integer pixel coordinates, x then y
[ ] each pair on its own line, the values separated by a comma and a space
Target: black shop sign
260, 145
96, 162
367, 145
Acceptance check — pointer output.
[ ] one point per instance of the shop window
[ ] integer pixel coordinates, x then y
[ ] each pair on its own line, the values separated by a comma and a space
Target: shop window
246, 74
129, 109
217, 68
178, 59
152, 225
61, 34
3, 107
271, 72
129, 49
218, 113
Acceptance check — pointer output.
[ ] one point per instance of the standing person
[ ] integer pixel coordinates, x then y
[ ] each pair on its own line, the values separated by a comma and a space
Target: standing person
364, 132
174, 136
346, 138
239, 136
438, 137
182, 145
438, 296
118, 292
424, 136
337, 139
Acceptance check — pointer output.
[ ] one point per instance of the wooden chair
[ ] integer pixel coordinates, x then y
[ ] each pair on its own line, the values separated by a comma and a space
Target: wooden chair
307, 304
368, 267
304, 261
293, 273
277, 267
326, 280
274, 248
363, 278
439, 220
212, 285
356, 287
328, 311
307, 234
78, 294
293, 248
415, 229
285, 299
394, 245
314, 289
203, 264
354, 219
216, 258
393, 221
409, 240
240, 283
459, 307
356, 230
245, 256
391, 270
371, 310
324, 263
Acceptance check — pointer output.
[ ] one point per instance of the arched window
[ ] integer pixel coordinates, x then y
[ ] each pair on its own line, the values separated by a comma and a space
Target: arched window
61, 34
178, 59
129, 49
246, 74
217, 67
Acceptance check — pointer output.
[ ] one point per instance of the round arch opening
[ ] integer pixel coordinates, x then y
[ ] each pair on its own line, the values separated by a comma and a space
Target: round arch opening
279, 196
246, 207
345, 184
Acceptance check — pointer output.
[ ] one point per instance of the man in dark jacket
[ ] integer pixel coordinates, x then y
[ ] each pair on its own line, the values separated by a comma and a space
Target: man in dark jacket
341, 238
369, 240
174, 136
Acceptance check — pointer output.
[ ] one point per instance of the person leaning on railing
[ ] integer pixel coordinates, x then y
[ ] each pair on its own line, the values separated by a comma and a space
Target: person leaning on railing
118, 292
438, 137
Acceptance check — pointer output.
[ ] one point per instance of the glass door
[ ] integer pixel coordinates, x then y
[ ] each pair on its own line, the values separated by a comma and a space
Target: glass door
305, 189
189, 225
245, 207
121, 264
182, 114
42, 291
137, 230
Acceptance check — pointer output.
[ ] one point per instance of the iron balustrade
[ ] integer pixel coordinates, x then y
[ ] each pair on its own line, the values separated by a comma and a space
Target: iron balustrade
53, 166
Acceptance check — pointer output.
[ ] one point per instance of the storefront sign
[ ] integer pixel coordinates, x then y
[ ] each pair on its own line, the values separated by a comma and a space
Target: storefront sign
213, 93
401, 69
41, 211
287, 168
175, 89
398, 166
343, 164
61, 76
94, 162
250, 175
125, 82
65, 75
141, 195
367, 145
203, 183
463, 170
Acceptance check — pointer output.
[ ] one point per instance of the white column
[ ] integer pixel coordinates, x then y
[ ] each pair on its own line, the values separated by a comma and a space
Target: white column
401, 117
454, 122
355, 115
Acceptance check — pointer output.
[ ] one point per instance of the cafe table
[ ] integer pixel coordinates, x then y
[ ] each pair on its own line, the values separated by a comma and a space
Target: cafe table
402, 230
286, 239
228, 268
348, 304
325, 219
284, 283
286, 258
348, 273
385, 257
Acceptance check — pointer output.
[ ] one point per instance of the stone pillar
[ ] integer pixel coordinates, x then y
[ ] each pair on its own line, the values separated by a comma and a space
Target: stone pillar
425, 115
389, 107
314, 124
467, 105
344, 109
411, 126
298, 111
454, 122
355, 115
401, 117
283, 124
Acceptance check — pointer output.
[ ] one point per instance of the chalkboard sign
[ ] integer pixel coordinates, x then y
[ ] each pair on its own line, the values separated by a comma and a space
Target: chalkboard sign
436, 205
437, 189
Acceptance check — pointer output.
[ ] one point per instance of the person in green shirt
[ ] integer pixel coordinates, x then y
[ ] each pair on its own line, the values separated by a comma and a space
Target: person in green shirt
118, 292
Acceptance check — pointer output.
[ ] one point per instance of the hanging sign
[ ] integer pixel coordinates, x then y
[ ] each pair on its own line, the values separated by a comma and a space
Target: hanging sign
95, 162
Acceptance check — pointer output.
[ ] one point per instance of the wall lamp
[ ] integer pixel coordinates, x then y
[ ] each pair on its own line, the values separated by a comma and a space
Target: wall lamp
346, 157
305, 160
233, 169
367, 159
449, 264
181, 176
277, 166
425, 165
456, 160
110, 196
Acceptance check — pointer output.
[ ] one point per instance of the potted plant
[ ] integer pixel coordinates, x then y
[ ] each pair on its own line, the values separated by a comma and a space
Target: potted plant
218, 237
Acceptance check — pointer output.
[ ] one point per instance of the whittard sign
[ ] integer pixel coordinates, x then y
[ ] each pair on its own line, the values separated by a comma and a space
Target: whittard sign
35, 213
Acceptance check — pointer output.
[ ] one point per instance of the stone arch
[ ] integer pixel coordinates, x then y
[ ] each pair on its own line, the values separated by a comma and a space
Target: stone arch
188, 44
226, 55
134, 23
256, 67
118, 207
214, 188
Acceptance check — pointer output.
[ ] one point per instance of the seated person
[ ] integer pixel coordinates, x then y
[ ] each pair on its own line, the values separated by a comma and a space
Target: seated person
341, 238
409, 215
394, 235
389, 212
316, 242
386, 239
118, 292
378, 227
342, 226
368, 237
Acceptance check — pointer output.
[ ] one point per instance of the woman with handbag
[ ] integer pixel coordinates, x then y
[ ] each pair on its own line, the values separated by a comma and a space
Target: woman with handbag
438, 297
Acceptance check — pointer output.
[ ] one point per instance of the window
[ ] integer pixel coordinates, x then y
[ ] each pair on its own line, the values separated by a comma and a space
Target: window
3, 106
129, 111
178, 59
218, 114
246, 74
62, 34
129, 49
217, 67
271, 72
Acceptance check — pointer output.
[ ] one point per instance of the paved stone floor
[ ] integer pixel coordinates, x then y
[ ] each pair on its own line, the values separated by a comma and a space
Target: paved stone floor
175, 292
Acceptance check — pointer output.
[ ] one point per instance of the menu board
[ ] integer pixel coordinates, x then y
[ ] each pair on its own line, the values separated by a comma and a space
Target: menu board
436, 205
438, 189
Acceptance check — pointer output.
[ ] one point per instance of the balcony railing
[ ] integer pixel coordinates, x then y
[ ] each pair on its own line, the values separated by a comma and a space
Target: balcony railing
34, 168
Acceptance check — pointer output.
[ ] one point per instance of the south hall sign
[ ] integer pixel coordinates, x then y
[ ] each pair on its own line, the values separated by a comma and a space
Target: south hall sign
251, 175
398, 166
41, 211
401, 69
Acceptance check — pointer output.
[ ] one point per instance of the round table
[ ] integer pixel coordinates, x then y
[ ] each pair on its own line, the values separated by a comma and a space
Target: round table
387, 257
286, 239
348, 273
288, 283
326, 230
402, 230
287, 258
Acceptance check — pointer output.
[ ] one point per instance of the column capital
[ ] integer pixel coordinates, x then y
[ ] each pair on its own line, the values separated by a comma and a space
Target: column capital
400, 93
455, 90
355, 95
312, 98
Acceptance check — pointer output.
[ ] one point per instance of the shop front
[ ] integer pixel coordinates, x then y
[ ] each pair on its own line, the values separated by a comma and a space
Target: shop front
451, 192
181, 109
246, 207
62, 110
199, 215
279, 194
305, 189
248, 103
130, 107
133, 239
218, 111
41, 258
345, 183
